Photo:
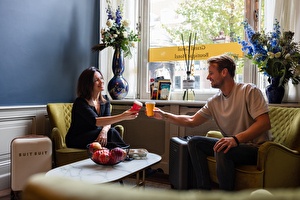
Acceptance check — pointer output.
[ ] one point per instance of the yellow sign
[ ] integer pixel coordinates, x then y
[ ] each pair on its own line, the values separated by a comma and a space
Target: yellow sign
202, 52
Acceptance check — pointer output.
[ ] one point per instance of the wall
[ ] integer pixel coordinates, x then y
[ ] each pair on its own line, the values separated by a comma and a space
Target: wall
15, 122
44, 47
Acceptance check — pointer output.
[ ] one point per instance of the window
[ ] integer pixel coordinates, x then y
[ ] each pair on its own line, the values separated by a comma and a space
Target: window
161, 22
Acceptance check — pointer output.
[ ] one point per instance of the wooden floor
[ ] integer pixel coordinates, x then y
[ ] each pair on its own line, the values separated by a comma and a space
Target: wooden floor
154, 179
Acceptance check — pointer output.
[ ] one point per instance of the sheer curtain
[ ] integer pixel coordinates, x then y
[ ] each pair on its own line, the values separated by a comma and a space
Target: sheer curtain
287, 12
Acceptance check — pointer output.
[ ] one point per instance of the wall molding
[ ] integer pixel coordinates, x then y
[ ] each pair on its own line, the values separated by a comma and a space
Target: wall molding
16, 121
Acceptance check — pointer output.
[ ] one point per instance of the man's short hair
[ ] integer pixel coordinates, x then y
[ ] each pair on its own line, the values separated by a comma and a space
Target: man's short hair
224, 61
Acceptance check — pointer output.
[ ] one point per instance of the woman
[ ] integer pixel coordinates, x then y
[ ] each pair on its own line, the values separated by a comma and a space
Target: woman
91, 120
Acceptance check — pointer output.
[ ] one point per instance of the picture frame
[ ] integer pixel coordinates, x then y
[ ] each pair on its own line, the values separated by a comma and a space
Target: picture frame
164, 90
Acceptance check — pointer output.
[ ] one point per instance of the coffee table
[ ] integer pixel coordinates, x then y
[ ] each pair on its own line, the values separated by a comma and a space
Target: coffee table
87, 170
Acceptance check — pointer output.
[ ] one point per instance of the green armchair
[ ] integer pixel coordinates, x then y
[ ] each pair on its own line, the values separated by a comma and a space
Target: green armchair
60, 120
278, 163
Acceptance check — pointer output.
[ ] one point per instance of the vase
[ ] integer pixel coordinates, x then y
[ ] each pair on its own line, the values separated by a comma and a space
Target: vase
274, 91
188, 86
118, 86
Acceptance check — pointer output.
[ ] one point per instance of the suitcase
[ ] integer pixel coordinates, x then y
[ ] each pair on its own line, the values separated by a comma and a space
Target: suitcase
29, 155
181, 173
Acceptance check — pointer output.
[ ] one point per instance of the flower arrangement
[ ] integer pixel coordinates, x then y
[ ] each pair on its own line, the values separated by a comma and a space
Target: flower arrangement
117, 33
275, 54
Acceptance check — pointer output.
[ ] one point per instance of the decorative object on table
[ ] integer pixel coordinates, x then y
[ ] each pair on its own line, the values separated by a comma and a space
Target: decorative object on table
103, 156
276, 55
137, 153
160, 88
118, 86
189, 82
164, 89
118, 35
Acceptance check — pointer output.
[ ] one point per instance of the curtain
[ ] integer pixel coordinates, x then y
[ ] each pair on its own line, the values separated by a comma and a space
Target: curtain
287, 12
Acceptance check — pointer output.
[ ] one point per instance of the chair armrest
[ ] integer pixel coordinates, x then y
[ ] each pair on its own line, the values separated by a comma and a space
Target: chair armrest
214, 134
58, 140
280, 164
120, 129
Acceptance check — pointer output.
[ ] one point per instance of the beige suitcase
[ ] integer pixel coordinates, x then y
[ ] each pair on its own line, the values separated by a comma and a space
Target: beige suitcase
29, 155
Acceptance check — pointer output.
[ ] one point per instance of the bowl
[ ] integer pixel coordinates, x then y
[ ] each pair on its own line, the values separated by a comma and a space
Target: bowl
104, 156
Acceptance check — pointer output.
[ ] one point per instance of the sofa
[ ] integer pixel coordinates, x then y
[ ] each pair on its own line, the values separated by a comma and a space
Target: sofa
278, 163
60, 188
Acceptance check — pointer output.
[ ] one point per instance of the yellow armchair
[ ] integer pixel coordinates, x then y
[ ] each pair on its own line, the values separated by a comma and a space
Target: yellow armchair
60, 120
278, 163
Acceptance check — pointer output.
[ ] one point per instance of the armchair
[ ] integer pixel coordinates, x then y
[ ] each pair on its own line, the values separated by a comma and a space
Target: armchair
60, 120
278, 163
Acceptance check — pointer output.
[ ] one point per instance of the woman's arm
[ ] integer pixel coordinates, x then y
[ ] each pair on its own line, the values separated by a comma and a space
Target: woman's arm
107, 120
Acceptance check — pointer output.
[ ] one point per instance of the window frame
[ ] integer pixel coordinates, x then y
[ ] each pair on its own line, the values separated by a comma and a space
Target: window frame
139, 90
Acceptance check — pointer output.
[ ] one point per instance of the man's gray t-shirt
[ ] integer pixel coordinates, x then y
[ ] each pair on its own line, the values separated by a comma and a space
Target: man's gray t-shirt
237, 111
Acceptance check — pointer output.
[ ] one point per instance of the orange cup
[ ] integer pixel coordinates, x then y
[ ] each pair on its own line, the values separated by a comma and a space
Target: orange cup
149, 108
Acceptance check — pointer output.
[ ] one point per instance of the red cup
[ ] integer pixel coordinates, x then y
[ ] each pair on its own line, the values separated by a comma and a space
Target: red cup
136, 106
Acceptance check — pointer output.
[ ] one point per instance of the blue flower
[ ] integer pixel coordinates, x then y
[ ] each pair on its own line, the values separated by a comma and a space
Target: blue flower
117, 32
274, 53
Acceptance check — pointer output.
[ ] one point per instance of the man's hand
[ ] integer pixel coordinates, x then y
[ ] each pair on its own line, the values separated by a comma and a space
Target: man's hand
225, 143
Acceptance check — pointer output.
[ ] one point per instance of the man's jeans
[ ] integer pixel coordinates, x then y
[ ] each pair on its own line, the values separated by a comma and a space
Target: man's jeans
200, 147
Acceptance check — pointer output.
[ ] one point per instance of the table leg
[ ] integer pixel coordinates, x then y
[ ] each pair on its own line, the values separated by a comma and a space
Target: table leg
139, 181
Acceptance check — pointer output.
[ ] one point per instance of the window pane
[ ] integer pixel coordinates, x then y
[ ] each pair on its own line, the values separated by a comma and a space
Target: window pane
216, 21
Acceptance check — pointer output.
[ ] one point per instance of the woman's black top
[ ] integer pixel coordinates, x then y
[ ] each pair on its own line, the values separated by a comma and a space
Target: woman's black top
83, 129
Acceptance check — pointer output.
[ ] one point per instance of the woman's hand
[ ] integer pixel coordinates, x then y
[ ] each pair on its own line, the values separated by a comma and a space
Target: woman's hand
102, 137
130, 114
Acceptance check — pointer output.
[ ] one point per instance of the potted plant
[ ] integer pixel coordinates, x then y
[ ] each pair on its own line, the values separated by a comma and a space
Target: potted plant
276, 55
117, 34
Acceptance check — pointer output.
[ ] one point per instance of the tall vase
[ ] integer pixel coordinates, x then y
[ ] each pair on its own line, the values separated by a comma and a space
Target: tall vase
274, 91
118, 86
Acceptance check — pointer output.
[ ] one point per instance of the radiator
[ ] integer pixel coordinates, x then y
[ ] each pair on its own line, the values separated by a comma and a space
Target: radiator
29, 155
181, 173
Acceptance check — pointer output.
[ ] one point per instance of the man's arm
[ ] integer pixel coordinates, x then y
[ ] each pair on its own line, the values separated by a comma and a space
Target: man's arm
260, 126
181, 120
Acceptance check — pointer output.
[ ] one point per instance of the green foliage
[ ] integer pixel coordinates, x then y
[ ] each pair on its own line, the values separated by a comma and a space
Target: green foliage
208, 19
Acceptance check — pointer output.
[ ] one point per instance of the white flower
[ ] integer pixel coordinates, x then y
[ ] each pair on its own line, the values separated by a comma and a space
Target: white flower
287, 56
125, 23
115, 35
277, 55
125, 34
133, 44
270, 54
110, 23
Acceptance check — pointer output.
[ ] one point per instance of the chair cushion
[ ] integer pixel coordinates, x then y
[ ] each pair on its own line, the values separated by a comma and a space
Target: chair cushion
285, 126
69, 155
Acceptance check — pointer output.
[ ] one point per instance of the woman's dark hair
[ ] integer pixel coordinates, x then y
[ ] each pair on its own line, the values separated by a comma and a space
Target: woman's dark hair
85, 83
224, 61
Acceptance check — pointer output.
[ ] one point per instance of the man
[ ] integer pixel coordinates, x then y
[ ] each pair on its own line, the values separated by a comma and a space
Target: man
241, 113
